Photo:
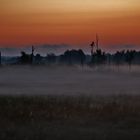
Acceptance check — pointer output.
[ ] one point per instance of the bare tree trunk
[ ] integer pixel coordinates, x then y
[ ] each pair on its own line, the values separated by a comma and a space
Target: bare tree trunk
32, 55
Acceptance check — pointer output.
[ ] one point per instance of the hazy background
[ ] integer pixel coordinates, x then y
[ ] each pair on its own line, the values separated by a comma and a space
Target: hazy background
31, 80
44, 49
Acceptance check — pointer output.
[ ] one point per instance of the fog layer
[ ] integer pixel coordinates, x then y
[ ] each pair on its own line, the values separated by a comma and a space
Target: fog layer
27, 80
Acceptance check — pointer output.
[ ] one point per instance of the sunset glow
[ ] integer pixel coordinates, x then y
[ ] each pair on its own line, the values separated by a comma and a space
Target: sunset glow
69, 21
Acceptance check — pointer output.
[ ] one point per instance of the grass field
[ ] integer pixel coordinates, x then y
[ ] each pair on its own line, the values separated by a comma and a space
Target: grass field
68, 117
41, 103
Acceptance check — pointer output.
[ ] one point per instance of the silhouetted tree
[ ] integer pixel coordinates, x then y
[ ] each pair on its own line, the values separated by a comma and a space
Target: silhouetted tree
98, 57
51, 58
92, 47
109, 58
25, 58
68, 57
82, 57
73, 57
38, 59
92, 52
118, 57
129, 57
78, 57
32, 55
62, 59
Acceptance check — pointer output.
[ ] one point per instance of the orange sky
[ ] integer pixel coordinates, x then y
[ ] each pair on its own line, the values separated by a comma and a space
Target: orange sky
69, 21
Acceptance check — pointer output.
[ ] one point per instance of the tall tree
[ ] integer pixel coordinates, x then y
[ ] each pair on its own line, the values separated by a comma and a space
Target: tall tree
130, 57
32, 55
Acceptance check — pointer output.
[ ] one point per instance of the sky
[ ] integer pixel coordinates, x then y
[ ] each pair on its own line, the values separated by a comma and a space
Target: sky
22, 22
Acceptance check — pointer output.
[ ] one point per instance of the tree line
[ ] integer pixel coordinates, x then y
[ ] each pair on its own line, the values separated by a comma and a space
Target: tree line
71, 57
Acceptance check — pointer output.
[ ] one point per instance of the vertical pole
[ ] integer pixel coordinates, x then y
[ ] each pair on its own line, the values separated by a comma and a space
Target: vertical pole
92, 46
97, 41
32, 55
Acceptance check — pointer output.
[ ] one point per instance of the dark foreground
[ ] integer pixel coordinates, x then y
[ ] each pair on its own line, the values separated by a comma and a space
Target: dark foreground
70, 118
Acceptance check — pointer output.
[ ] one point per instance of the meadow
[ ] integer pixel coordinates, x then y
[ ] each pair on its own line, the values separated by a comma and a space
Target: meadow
69, 103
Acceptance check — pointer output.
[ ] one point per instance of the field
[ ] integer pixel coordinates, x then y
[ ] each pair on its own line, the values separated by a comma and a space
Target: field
27, 80
71, 103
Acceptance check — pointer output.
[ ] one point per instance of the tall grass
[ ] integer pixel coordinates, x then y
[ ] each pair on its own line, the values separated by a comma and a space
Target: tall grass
49, 108
70, 117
